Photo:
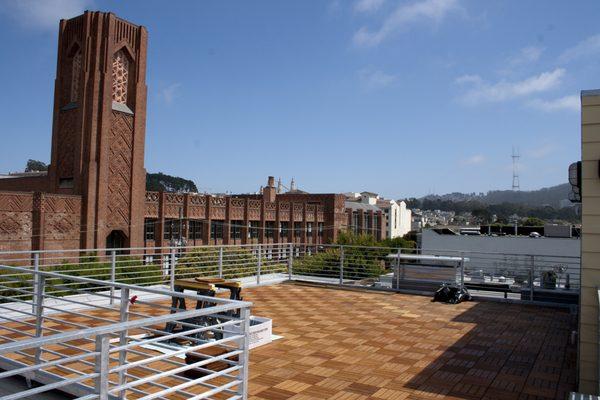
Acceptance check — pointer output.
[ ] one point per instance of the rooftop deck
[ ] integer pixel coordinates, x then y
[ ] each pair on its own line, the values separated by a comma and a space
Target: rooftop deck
360, 344
341, 339
341, 344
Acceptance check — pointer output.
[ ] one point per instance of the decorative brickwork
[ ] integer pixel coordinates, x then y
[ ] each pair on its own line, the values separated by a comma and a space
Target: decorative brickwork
75, 77
94, 193
120, 77
152, 204
237, 202
198, 200
14, 225
119, 166
217, 208
16, 221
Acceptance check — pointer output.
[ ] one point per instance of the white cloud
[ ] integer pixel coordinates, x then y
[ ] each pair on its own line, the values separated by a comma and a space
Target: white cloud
402, 17
170, 93
376, 79
367, 6
568, 103
526, 55
473, 160
468, 79
483, 91
585, 48
44, 14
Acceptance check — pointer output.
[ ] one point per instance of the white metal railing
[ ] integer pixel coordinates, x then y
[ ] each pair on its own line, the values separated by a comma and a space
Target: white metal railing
525, 277
104, 340
69, 319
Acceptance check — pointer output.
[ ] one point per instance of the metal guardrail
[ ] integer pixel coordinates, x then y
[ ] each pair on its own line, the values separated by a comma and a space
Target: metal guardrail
524, 277
104, 340
68, 322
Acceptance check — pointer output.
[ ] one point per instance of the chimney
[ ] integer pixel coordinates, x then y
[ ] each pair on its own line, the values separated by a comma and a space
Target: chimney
269, 191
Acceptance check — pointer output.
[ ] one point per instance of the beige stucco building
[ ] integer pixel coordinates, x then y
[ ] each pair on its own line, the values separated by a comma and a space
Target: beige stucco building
590, 243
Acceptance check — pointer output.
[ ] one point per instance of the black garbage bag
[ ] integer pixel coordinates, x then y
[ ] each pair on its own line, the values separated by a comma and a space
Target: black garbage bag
451, 294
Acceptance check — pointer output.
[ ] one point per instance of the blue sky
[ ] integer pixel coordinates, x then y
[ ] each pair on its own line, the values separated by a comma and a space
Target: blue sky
403, 98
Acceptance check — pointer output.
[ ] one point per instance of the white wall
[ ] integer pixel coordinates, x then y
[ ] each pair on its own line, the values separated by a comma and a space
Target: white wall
399, 219
570, 247
514, 253
405, 223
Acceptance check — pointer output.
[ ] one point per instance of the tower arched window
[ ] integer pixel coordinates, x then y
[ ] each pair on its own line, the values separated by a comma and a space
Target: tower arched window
120, 77
75, 77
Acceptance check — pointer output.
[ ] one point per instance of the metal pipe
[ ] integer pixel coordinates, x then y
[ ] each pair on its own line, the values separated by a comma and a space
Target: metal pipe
101, 366
220, 262
259, 265
290, 261
341, 265
172, 269
113, 274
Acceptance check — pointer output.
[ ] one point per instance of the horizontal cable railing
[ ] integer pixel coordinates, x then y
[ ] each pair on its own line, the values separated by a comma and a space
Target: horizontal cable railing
102, 323
98, 339
522, 276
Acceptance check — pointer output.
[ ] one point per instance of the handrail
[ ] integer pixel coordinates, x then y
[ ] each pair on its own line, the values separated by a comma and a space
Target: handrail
126, 285
222, 325
253, 245
115, 328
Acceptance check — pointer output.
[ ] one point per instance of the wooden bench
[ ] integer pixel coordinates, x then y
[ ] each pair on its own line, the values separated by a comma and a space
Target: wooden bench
490, 287
203, 287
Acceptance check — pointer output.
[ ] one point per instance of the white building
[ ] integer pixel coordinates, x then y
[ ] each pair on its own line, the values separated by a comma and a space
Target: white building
398, 217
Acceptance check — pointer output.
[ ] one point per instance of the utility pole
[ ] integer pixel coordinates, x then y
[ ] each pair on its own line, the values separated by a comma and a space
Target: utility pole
515, 159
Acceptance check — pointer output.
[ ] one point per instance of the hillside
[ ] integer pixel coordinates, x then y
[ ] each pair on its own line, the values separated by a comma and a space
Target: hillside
543, 203
167, 183
550, 196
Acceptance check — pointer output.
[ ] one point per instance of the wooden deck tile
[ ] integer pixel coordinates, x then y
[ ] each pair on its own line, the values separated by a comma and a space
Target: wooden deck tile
364, 345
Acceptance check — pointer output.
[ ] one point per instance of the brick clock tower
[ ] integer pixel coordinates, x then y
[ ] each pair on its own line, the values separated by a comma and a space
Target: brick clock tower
99, 124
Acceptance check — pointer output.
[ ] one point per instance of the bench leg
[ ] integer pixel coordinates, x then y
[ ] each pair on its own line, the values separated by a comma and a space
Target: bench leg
177, 303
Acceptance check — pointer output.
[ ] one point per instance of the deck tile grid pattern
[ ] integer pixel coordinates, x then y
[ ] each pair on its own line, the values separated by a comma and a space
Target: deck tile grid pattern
341, 344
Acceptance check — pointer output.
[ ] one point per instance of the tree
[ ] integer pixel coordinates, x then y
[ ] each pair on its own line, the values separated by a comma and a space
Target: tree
483, 215
35, 165
167, 183
533, 221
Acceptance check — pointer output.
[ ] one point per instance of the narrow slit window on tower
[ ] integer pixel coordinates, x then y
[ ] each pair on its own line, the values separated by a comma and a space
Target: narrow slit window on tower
75, 77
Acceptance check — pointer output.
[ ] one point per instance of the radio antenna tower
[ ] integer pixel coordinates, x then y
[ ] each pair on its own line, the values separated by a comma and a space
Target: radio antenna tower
515, 159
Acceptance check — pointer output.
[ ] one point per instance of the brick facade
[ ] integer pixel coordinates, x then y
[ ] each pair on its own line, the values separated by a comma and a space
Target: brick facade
94, 196
196, 219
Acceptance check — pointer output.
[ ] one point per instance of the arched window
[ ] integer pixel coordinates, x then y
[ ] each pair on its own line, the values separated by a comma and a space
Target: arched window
75, 76
120, 77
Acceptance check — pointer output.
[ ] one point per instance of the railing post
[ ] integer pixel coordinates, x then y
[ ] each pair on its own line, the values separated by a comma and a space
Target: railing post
123, 317
39, 313
113, 275
220, 262
101, 366
341, 265
36, 270
243, 357
290, 261
259, 266
398, 269
531, 276
172, 269
462, 271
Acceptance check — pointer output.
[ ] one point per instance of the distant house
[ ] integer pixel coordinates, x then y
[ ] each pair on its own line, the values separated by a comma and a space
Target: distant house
397, 218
